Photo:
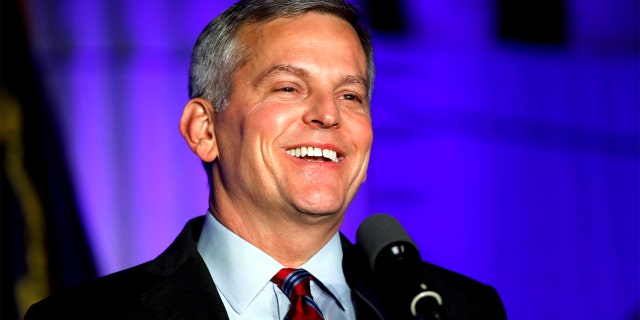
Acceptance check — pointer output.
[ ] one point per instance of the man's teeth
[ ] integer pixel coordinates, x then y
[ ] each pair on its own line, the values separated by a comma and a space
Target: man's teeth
313, 152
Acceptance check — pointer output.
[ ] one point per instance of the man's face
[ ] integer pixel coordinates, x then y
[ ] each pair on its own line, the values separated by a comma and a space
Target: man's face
303, 87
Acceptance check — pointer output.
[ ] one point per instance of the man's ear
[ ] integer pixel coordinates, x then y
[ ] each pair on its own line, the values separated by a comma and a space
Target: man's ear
196, 126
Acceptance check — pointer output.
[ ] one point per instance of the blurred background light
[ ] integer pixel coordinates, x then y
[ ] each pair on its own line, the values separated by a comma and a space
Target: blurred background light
506, 137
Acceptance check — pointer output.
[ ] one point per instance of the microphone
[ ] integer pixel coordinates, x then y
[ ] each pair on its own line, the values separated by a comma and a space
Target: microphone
396, 264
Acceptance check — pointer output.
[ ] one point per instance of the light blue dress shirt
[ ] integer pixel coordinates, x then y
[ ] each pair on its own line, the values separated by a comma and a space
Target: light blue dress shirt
242, 273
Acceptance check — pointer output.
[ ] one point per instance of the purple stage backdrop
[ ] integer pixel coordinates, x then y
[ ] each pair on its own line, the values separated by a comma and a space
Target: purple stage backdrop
516, 164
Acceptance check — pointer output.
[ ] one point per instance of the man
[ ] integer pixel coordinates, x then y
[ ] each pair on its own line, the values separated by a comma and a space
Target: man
280, 116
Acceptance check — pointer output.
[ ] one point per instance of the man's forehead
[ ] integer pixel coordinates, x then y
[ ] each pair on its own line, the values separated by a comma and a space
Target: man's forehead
251, 35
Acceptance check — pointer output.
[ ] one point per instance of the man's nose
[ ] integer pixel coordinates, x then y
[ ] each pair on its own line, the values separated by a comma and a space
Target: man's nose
323, 112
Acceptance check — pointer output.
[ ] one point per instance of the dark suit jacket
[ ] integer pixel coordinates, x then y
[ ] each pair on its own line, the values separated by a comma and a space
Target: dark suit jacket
177, 285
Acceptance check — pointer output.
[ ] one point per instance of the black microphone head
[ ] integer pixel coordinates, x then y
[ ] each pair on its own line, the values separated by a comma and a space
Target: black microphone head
377, 232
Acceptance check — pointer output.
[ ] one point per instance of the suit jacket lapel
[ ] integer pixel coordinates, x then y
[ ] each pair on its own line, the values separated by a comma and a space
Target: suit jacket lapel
187, 291
180, 297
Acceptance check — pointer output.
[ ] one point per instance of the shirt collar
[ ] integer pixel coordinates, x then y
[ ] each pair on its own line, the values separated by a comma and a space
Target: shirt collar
326, 266
240, 270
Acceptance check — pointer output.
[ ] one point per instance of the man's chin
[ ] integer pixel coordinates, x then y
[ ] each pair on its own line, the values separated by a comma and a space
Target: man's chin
318, 204
315, 214
321, 212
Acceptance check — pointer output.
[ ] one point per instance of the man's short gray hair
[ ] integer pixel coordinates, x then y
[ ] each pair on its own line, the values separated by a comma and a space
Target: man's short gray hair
218, 52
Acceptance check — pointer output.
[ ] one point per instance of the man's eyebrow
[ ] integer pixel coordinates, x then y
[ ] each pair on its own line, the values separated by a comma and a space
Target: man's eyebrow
356, 79
302, 73
282, 68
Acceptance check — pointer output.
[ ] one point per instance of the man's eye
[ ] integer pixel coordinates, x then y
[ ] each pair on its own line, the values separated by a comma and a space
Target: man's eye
286, 89
352, 97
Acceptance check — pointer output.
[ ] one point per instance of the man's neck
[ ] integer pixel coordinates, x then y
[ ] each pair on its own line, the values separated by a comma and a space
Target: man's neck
291, 240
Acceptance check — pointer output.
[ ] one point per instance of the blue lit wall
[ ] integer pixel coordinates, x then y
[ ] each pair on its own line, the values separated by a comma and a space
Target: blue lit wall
515, 164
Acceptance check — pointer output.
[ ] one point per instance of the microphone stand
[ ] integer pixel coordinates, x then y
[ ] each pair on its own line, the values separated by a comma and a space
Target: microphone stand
397, 269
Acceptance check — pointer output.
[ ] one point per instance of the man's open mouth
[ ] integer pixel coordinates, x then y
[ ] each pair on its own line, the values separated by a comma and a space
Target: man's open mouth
314, 154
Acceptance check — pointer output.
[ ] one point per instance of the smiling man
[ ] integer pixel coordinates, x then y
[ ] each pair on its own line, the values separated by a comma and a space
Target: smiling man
279, 113
288, 151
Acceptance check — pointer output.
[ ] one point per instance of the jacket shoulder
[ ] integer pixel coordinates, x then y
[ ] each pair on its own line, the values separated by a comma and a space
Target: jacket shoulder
115, 296
133, 293
462, 296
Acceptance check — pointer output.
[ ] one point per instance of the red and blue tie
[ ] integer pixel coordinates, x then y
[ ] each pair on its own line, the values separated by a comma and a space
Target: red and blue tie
295, 284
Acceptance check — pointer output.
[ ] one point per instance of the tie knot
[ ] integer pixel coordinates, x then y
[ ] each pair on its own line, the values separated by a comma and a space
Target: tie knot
293, 282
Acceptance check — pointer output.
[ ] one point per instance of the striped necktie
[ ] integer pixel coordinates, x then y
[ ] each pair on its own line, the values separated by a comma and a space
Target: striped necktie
295, 284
